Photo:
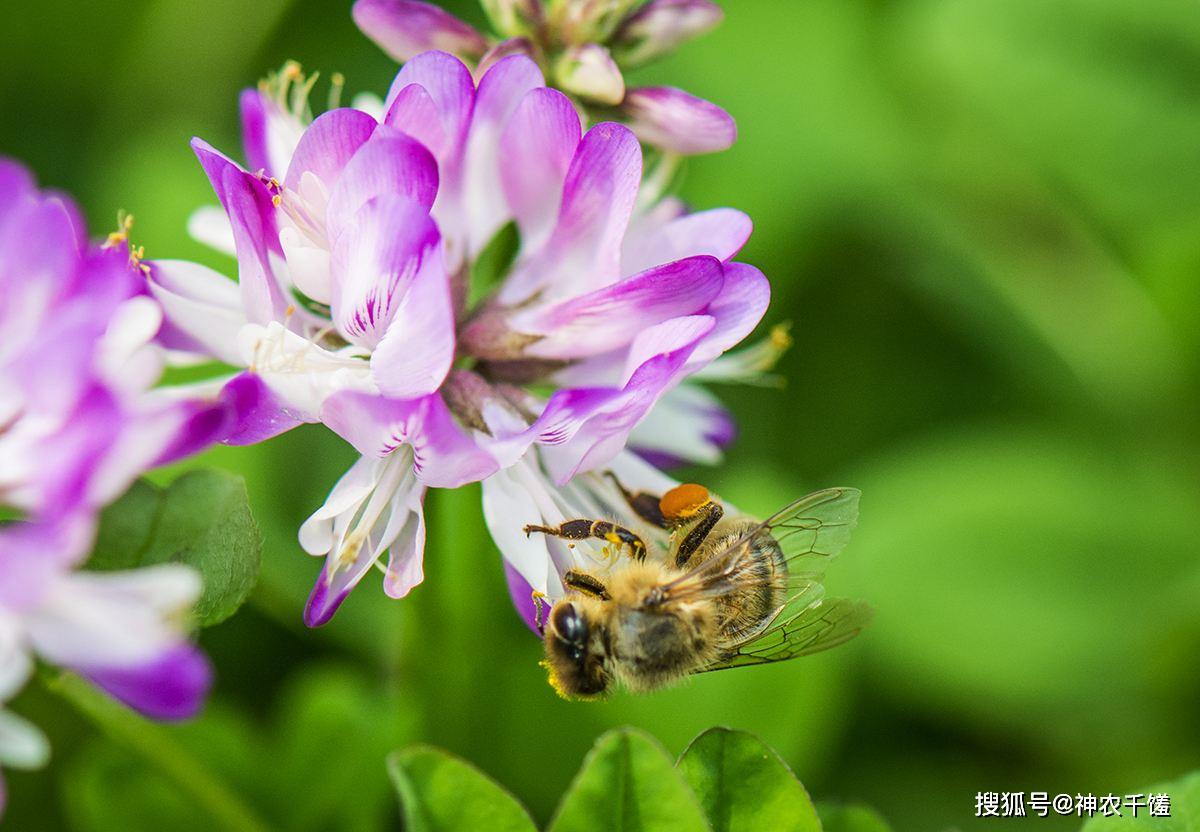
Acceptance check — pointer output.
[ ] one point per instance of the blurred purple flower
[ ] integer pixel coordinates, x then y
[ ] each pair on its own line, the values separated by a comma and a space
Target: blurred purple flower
582, 46
78, 422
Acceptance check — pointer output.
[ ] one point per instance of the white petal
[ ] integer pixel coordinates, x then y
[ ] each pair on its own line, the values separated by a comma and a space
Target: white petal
15, 664
125, 357
113, 619
210, 225
301, 374
369, 103
22, 745
202, 303
308, 264
507, 507
317, 533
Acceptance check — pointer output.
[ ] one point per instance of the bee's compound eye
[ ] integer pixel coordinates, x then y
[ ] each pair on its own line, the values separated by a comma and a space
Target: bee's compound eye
683, 501
569, 624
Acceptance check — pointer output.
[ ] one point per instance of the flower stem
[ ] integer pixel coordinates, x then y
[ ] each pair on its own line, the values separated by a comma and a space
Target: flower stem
157, 747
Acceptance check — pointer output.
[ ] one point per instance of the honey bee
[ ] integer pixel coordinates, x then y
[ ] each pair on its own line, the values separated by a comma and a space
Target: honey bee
722, 590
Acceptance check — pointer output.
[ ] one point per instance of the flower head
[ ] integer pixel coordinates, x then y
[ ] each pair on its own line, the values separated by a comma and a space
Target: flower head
355, 305
582, 46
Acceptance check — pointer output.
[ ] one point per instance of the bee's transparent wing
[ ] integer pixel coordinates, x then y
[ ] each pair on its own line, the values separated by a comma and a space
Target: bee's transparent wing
823, 624
810, 532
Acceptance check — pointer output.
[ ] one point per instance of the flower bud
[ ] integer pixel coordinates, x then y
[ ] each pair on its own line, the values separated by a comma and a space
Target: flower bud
587, 21
677, 121
406, 28
660, 26
589, 72
515, 18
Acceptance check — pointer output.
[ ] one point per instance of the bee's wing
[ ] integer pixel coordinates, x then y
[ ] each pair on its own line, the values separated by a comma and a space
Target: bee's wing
810, 531
823, 624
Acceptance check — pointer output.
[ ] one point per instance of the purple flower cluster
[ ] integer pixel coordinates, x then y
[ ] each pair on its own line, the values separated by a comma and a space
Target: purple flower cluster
361, 237
582, 46
356, 236
78, 422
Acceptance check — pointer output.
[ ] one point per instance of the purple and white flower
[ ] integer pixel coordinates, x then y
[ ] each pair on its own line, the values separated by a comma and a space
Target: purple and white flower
354, 301
78, 422
582, 46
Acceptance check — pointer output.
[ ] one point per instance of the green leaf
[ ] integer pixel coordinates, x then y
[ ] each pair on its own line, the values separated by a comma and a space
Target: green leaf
628, 784
441, 793
203, 520
744, 785
852, 818
493, 262
1184, 795
126, 527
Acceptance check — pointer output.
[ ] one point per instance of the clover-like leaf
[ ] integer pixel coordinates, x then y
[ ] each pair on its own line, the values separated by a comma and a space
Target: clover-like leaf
628, 784
203, 520
441, 793
743, 785
852, 818
1182, 801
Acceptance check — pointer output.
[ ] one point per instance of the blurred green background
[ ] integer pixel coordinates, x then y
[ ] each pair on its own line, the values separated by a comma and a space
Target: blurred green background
983, 217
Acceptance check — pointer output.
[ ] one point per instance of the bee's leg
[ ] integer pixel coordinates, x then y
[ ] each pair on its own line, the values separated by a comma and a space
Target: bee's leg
706, 518
644, 504
539, 601
585, 583
598, 529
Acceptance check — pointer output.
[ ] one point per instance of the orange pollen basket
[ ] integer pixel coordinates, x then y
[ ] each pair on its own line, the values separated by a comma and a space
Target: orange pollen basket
683, 501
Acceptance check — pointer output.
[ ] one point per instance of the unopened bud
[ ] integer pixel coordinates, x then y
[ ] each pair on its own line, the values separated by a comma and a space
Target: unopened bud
677, 121
589, 72
660, 26
515, 18
587, 21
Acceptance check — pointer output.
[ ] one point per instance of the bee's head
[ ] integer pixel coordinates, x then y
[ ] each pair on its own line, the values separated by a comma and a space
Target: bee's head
574, 655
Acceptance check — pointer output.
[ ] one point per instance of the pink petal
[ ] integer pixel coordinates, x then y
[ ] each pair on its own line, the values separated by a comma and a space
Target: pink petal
612, 317
720, 232
537, 146
742, 303
583, 252
255, 236
443, 455
500, 91
328, 145
389, 163
390, 247
172, 686
269, 134
677, 121
405, 28
258, 414
415, 112
587, 427
450, 87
